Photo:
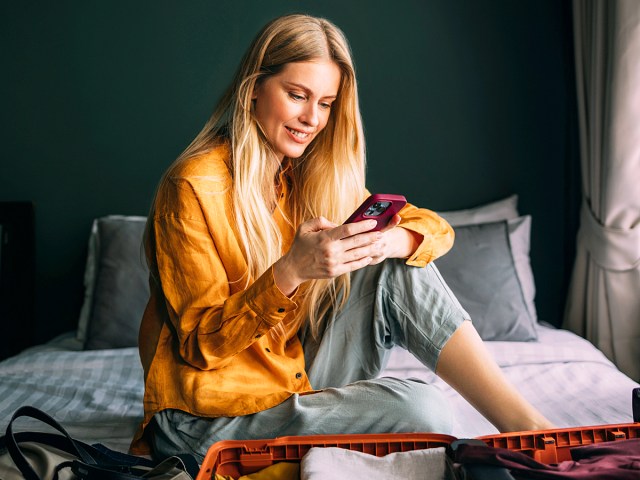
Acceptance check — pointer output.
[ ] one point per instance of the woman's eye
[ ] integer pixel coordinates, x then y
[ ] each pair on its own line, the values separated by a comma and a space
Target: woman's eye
326, 106
296, 97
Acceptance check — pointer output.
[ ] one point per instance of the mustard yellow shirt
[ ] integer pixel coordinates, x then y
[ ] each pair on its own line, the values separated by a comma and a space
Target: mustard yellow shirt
202, 338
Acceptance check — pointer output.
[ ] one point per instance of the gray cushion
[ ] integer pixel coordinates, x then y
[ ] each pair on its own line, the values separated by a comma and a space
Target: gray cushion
504, 209
116, 284
520, 238
481, 271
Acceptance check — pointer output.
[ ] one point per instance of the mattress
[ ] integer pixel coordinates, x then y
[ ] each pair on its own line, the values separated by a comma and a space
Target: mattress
97, 394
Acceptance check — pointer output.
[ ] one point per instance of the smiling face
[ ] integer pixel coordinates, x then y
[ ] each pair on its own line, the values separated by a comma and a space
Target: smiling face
293, 106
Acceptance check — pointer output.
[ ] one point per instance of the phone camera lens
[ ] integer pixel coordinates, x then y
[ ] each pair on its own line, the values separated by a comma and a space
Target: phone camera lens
377, 209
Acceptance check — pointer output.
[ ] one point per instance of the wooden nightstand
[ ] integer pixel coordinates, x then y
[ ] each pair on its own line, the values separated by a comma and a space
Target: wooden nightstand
17, 276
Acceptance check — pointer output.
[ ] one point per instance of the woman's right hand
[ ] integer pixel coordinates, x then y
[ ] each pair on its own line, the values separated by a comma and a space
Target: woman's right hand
322, 249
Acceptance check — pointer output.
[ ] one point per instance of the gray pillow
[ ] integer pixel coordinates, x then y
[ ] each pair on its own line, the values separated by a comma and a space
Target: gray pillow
504, 209
520, 239
116, 284
481, 271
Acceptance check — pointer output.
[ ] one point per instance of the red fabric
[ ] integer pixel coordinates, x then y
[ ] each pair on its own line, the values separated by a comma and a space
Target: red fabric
603, 461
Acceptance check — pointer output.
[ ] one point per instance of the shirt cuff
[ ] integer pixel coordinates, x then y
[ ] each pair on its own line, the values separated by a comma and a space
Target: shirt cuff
423, 254
265, 298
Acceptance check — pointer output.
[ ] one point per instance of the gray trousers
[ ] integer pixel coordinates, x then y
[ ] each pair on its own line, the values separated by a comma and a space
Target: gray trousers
390, 304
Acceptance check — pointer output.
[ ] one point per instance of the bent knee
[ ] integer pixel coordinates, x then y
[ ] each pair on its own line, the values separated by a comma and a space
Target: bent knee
420, 407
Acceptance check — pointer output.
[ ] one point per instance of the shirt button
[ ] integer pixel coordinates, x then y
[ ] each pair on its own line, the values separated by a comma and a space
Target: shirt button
258, 336
280, 310
298, 375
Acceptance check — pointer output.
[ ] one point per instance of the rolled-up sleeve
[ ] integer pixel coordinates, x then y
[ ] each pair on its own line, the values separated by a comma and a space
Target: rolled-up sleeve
437, 234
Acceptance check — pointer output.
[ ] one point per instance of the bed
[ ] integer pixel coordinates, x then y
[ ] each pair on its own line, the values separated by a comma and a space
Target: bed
90, 380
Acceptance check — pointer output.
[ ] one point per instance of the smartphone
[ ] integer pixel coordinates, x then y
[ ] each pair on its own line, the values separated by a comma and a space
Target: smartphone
380, 207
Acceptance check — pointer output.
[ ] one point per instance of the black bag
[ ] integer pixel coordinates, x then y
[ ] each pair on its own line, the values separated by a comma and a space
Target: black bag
49, 456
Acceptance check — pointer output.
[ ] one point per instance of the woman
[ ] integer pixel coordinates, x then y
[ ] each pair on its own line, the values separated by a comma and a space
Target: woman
268, 317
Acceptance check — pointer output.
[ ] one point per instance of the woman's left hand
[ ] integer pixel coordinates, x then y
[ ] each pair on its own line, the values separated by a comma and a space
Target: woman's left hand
395, 242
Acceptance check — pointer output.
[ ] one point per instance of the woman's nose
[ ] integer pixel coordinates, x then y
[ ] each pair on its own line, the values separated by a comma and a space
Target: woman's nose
310, 115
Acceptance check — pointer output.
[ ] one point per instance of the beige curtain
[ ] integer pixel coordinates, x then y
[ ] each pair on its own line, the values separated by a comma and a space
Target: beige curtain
603, 304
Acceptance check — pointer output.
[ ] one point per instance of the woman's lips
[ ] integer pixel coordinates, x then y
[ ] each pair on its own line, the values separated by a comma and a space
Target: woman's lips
298, 135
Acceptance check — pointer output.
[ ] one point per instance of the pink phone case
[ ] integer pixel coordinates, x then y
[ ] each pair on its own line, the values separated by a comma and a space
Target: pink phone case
380, 207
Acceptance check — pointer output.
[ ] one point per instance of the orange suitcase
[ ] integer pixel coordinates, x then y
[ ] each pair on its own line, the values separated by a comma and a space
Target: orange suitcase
241, 457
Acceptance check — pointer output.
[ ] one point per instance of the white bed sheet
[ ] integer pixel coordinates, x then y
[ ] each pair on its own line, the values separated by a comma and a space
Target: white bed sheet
97, 395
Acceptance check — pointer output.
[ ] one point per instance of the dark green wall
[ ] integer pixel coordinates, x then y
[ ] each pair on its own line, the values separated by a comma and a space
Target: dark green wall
463, 102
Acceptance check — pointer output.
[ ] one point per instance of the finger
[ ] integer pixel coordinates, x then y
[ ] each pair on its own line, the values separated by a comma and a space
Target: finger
351, 229
358, 264
356, 254
376, 260
365, 239
326, 224
318, 224
393, 223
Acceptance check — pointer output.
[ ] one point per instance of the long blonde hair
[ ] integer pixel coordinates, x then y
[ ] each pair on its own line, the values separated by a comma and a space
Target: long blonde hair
328, 179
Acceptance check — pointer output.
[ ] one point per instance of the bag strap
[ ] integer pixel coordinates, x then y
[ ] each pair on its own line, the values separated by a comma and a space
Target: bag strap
189, 463
164, 469
85, 471
65, 442
93, 461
